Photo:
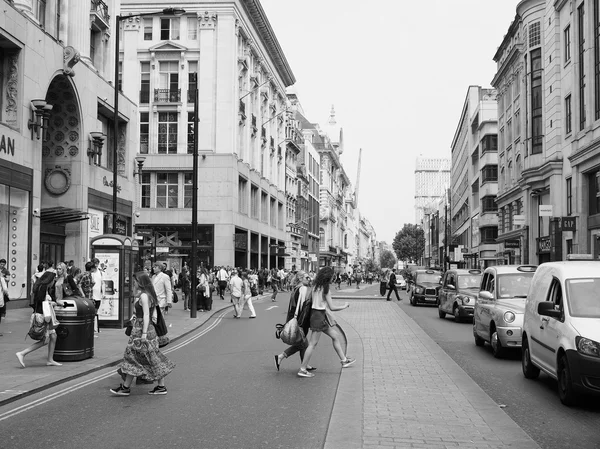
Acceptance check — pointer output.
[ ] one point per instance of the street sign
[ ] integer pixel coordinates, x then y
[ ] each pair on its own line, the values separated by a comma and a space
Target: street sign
144, 232
464, 250
567, 223
162, 249
512, 243
545, 210
519, 220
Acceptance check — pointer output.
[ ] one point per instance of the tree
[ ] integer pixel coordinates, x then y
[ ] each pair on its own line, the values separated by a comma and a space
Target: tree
370, 266
409, 243
387, 259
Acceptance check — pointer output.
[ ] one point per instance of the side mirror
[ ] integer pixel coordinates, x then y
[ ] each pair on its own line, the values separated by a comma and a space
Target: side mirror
486, 295
546, 308
450, 287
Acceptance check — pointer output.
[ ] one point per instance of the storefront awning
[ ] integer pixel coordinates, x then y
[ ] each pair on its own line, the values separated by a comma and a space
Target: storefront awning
61, 215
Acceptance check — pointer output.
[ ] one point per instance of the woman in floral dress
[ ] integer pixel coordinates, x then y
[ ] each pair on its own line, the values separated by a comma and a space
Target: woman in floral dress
142, 357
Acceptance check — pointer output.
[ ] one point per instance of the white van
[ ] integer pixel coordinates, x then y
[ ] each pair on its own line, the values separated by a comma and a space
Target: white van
561, 327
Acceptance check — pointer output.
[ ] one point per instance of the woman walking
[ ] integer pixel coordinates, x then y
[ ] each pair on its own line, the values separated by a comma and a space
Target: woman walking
322, 322
142, 357
185, 283
64, 285
247, 296
40, 294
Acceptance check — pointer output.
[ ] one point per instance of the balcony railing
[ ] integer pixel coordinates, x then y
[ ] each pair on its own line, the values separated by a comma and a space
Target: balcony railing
167, 95
100, 10
293, 135
144, 96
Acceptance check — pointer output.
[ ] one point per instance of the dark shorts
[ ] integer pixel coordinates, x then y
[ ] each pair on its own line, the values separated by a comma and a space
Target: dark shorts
319, 321
96, 304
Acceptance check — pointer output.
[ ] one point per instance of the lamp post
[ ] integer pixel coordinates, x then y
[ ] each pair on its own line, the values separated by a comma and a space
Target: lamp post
118, 19
194, 277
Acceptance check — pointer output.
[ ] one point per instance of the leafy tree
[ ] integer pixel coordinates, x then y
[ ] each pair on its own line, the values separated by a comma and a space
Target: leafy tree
370, 266
387, 259
409, 243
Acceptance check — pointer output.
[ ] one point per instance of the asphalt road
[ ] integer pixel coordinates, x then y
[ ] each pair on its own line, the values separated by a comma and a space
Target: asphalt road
532, 404
224, 393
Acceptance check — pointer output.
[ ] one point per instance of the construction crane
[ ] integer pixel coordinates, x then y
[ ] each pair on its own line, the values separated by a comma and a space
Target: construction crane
357, 179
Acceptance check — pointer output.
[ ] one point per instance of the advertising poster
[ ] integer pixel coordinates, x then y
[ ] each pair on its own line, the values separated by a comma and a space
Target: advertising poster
109, 267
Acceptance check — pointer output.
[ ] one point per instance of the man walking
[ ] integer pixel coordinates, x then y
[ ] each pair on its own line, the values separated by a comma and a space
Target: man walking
162, 286
222, 278
236, 285
392, 286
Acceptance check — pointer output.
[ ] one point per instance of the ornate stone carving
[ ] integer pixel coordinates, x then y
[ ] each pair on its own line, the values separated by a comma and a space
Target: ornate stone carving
11, 90
132, 24
70, 58
208, 20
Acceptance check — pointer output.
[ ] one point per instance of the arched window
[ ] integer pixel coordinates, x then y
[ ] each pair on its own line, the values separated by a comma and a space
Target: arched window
519, 168
509, 175
502, 180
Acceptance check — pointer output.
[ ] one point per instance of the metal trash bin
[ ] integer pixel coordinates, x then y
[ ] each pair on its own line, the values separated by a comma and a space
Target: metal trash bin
75, 333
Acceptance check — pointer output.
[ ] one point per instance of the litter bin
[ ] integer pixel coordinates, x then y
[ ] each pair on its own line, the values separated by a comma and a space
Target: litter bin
76, 330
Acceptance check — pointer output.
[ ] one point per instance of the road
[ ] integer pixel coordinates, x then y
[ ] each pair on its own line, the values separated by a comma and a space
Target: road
533, 405
224, 393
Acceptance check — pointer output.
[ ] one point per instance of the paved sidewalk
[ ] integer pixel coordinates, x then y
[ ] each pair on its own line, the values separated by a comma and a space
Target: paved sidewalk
108, 349
406, 392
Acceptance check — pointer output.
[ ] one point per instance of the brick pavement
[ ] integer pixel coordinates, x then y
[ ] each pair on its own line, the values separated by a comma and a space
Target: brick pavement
406, 392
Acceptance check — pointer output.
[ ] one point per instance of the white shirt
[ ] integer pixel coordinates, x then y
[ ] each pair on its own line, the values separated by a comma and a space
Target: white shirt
97, 288
162, 287
236, 286
223, 276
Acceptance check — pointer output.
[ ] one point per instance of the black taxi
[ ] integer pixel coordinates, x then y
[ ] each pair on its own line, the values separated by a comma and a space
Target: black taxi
458, 293
424, 287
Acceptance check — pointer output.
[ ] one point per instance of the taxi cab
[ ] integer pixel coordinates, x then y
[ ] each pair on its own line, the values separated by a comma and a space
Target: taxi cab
425, 286
458, 293
500, 305
561, 327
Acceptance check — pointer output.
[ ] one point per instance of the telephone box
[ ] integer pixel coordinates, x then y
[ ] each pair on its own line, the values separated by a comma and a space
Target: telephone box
117, 254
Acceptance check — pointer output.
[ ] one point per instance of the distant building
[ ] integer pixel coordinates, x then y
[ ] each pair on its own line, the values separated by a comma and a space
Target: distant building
432, 177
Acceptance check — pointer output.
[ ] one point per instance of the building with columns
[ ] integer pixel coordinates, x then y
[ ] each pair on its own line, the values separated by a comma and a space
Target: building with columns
56, 146
230, 54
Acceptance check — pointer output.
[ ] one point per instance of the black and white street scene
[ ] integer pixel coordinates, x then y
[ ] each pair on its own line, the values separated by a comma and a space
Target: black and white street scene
318, 224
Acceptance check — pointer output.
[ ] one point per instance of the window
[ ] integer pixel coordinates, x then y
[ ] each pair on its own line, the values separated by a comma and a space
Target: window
144, 132
489, 173
190, 133
41, 12
537, 130
264, 207
581, 54
280, 216
148, 29
567, 43
192, 80
568, 118
517, 122
242, 195
488, 204
145, 190
509, 135
168, 81
569, 190
167, 190
94, 44
488, 234
534, 34
188, 184
489, 143
273, 211
594, 189
167, 133
192, 24
57, 19
169, 29
254, 202
144, 83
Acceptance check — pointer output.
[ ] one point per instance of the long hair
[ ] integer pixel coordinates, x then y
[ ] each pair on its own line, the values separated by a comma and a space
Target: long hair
323, 279
145, 285
40, 288
295, 281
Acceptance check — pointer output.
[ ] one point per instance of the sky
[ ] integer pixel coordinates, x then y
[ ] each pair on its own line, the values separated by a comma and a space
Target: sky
397, 73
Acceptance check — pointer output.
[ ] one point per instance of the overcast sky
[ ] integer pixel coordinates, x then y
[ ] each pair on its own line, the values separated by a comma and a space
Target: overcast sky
397, 72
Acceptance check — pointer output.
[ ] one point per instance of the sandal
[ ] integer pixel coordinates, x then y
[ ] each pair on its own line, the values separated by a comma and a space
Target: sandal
277, 361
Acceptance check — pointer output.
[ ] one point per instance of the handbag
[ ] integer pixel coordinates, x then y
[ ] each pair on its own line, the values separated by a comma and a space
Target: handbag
175, 298
128, 328
160, 326
37, 328
291, 333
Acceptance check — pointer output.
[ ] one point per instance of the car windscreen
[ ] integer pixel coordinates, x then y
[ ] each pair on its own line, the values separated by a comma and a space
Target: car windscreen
583, 297
428, 277
469, 281
514, 285
399, 278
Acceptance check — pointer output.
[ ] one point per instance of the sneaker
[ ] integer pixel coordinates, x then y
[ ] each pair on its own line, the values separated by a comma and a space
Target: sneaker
304, 373
349, 361
121, 391
158, 390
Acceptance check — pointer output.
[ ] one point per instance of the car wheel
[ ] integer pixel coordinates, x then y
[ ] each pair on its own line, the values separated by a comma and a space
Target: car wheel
529, 370
441, 313
497, 348
457, 318
478, 340
566, 392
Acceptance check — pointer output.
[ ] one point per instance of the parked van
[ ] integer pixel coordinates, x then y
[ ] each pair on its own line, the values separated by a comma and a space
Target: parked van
561, 327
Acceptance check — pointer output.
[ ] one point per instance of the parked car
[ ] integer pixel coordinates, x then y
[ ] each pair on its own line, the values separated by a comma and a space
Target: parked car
498, 312
400, 282
424, 287
458, 293
561, 327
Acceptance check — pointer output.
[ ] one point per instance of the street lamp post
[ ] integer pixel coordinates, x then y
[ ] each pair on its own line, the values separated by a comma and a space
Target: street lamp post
194, 277
118, 19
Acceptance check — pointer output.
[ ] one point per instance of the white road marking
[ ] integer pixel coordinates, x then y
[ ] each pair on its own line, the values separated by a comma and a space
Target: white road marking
272, 307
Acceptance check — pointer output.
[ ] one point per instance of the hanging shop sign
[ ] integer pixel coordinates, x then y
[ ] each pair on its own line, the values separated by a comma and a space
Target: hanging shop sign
545, 210
519, 220
516, 243
567, 223
544, 245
